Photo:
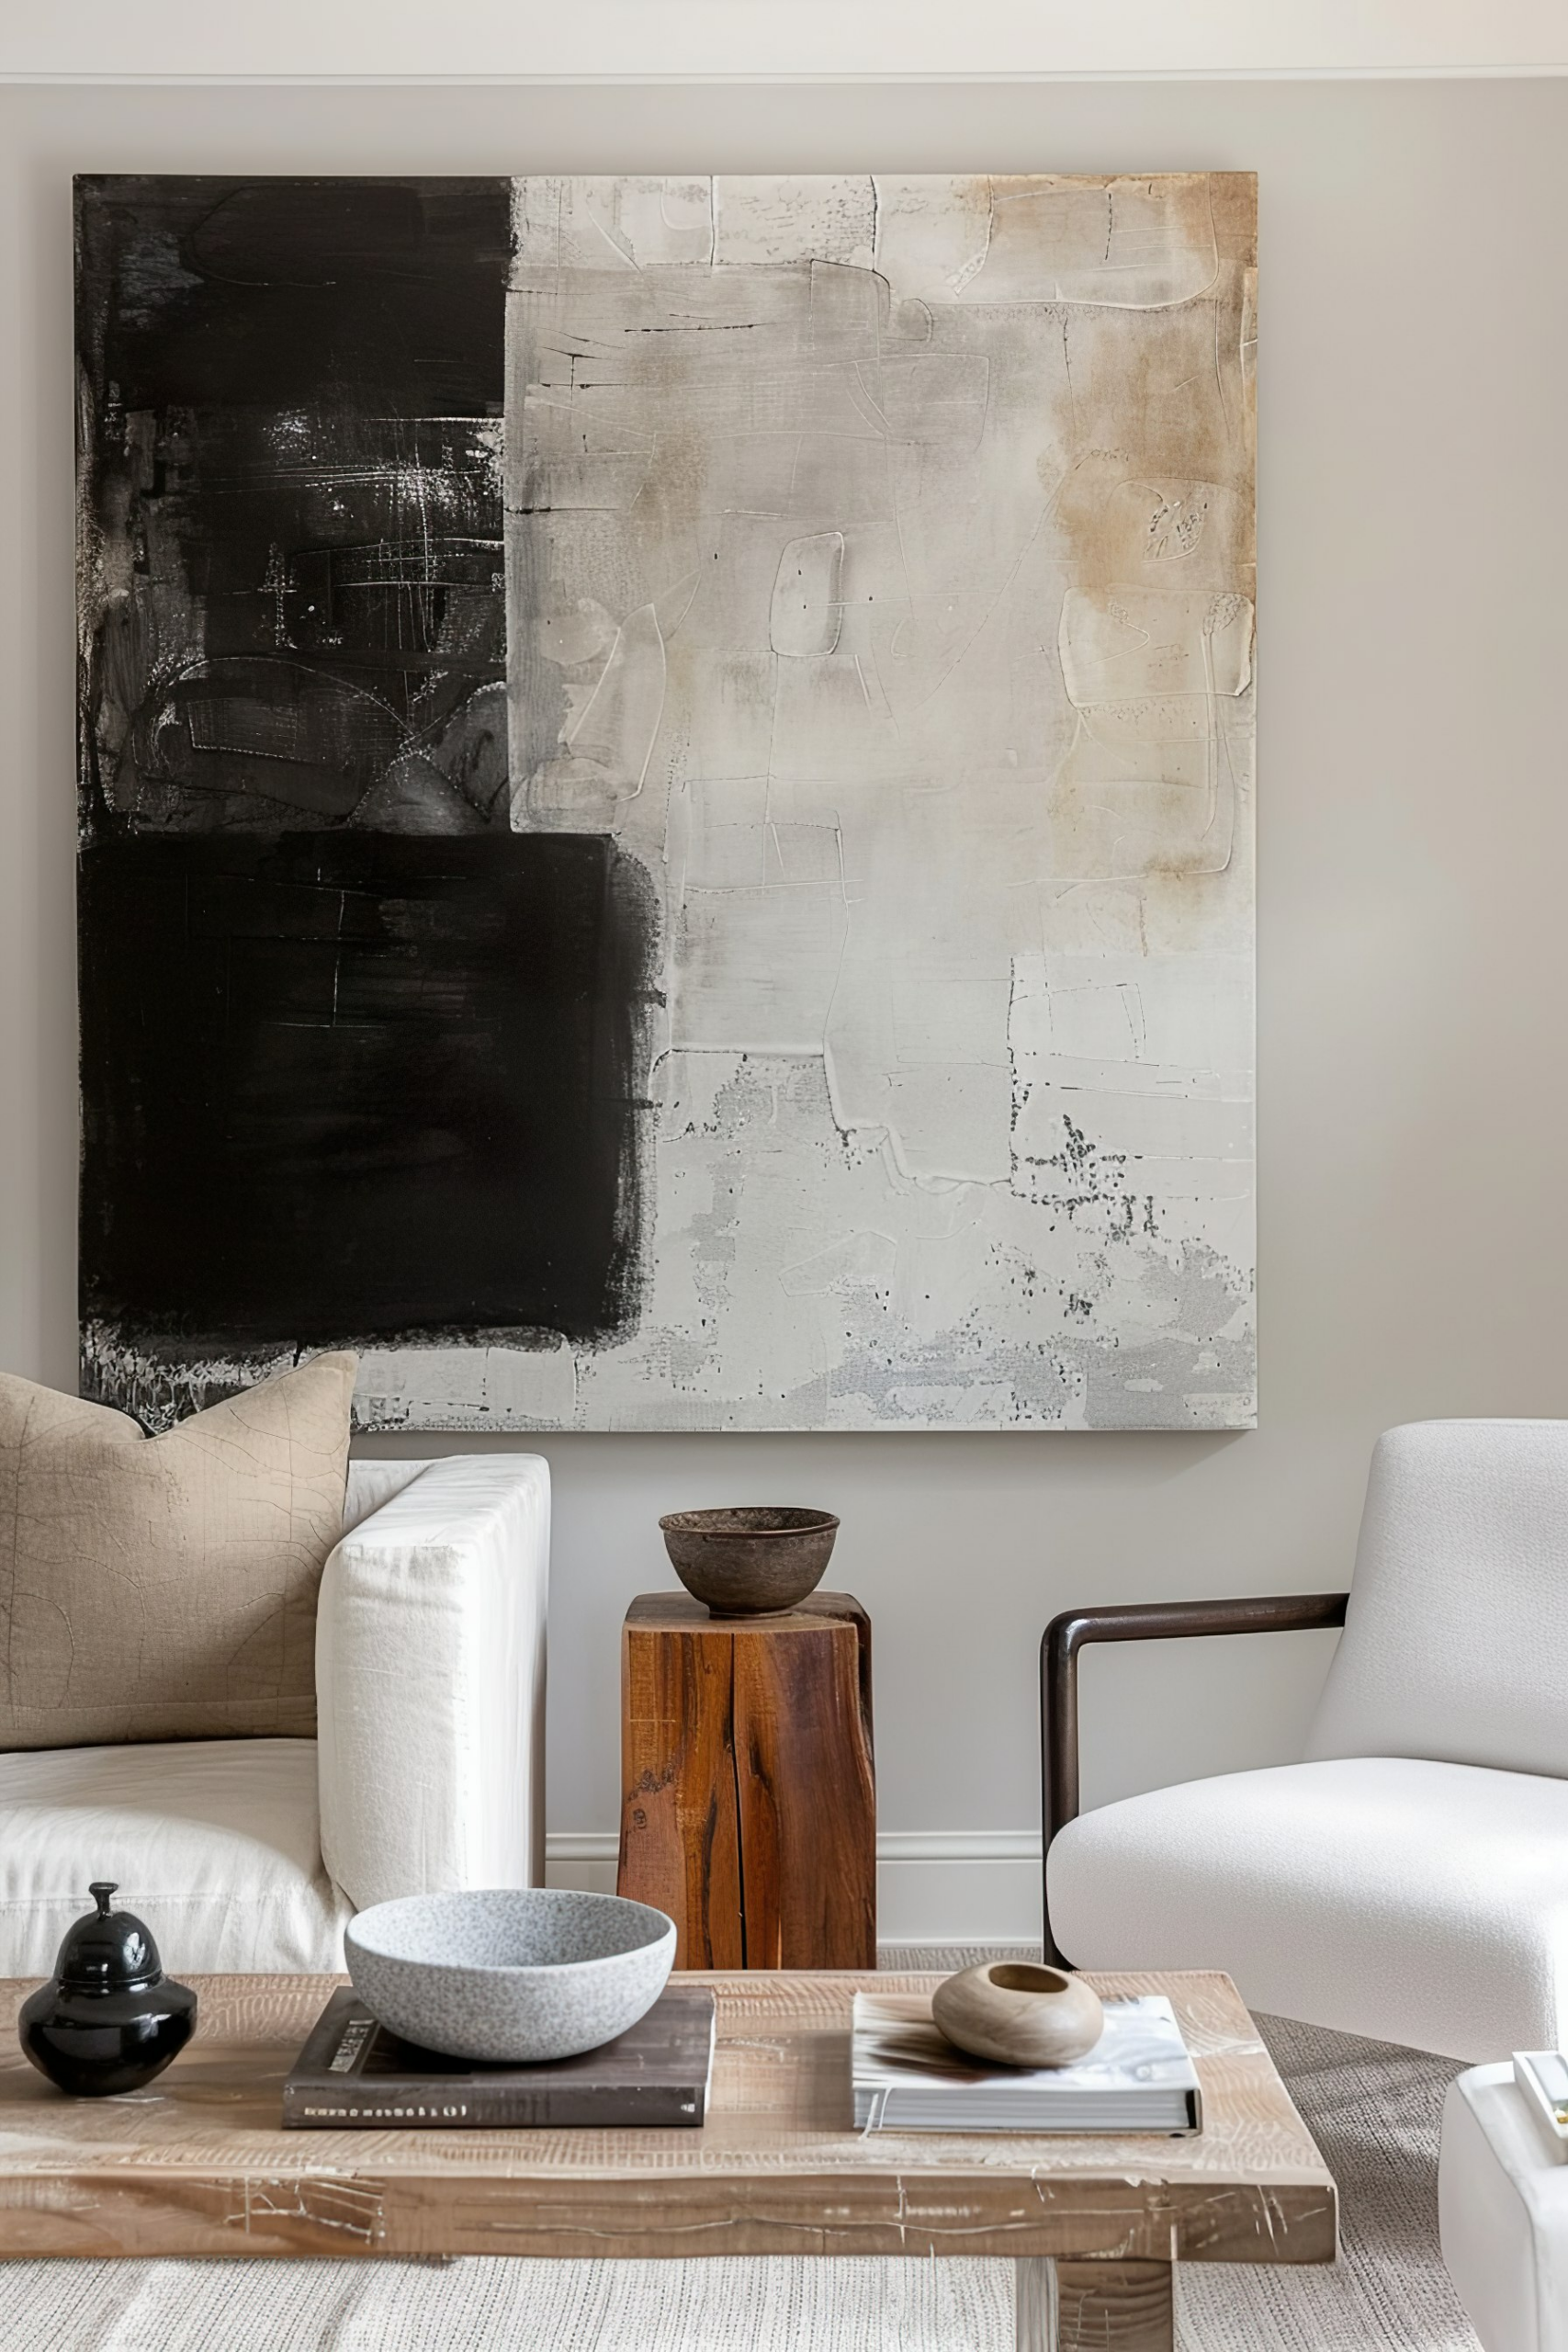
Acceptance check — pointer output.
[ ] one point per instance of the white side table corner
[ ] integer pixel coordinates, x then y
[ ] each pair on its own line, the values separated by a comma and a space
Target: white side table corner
1503, 2214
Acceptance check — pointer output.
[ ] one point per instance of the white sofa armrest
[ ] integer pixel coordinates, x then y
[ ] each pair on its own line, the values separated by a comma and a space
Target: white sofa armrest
430, 1683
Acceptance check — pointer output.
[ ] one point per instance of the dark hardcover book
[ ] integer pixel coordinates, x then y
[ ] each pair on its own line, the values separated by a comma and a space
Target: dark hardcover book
353, 2076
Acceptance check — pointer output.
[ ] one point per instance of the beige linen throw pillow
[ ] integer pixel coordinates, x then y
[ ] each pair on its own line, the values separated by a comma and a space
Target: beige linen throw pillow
164, 1588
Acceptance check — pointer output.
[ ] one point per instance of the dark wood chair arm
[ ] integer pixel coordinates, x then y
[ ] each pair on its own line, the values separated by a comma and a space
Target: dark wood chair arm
1139, 1621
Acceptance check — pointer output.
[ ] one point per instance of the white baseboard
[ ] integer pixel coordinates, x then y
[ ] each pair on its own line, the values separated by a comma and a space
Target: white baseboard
933, 1886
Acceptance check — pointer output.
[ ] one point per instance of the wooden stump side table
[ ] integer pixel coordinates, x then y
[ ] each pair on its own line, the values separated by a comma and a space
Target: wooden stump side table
747, 1795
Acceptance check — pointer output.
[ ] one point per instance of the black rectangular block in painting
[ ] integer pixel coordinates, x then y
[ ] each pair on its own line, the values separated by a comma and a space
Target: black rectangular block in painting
346, 1085
290, 451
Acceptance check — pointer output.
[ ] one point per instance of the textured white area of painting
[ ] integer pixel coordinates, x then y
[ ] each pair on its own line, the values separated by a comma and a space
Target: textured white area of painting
880, 570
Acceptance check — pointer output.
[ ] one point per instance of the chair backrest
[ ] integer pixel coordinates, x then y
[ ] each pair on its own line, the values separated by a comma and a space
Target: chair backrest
1456, 1643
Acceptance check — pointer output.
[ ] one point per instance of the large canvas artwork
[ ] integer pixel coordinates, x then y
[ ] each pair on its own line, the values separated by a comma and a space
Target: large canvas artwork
667, 797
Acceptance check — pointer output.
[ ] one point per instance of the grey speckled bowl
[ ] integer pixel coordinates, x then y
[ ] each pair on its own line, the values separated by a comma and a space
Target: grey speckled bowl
519, 1974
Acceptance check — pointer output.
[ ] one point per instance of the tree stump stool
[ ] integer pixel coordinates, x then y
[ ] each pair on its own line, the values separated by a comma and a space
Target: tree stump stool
747, 1795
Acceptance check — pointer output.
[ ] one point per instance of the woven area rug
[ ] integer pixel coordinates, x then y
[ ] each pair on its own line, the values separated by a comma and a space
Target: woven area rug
1374, 2111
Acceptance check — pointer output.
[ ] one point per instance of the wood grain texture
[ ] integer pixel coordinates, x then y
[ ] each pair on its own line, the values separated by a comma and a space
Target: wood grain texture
749, 1803
198, 2164
1094, 2306
1115, 2307
680, 1828
1034, 2304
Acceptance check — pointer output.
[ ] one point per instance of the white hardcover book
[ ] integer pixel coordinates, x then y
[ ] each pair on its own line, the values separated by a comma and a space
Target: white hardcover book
1542, 2076
909, 2077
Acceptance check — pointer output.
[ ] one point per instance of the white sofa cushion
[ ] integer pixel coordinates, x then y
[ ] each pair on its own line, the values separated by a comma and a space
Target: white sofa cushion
229, 1823
371, 1484
1412, 1902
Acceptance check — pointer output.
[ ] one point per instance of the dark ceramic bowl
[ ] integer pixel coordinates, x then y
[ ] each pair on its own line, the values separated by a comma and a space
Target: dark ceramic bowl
754, 1561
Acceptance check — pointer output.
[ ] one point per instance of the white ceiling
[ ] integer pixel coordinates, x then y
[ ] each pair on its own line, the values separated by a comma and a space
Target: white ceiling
777, 40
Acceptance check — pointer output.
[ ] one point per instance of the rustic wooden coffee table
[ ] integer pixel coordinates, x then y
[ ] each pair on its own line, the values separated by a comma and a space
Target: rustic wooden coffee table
197, 2165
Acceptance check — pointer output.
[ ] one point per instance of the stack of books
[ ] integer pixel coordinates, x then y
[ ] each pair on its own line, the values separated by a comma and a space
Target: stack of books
354, 2075
909, 2077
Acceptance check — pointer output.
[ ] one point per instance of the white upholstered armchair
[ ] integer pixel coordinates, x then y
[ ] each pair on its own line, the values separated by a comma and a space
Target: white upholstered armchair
1409, 1879
427, 1770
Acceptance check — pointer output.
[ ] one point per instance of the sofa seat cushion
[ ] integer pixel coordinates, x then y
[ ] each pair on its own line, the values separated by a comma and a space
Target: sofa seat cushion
213, 1843
1412, 1901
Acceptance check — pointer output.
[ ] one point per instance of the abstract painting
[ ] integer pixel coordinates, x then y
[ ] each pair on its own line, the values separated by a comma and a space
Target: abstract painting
666, 796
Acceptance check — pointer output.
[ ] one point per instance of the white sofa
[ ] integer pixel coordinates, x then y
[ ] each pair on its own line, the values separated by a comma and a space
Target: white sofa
1409, 1879
427, 1771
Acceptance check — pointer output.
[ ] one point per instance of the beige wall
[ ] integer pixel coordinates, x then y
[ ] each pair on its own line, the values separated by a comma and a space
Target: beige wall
1414, 826
694, 40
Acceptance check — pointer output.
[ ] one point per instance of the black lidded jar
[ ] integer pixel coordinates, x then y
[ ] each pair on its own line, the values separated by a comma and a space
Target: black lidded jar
109, 2019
